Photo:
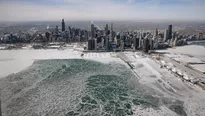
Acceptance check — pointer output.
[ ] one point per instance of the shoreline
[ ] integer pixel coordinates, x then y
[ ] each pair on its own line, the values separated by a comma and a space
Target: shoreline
191, 42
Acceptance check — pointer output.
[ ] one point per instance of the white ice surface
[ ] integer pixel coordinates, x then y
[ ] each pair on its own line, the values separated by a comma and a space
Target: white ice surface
13, 61
194, 50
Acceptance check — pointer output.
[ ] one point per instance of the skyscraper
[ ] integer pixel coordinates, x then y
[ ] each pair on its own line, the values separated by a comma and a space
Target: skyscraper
56, 29
135, 43
165, 35
63, 25
111, 32
140, 38
146, 45
89, 44
170, 32
106, 29
156, 33
92, 30
107, 44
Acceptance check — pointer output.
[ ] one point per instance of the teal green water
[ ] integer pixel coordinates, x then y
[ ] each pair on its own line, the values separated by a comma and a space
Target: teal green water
79, 87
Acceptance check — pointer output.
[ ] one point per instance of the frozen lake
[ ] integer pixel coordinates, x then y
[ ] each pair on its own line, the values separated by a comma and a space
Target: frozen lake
80, 87
62, 83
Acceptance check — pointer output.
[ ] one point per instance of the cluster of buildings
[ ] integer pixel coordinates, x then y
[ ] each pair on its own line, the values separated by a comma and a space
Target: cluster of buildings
104, 39
109, 40
41, 35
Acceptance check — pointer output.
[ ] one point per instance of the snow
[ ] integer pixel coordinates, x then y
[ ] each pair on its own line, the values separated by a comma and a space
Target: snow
13, 61
199, 67
1, 48
184, 58
148, 73
13, 66
194, 50
164, 111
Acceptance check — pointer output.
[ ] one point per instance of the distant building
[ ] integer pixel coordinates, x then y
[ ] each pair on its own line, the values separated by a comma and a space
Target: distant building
95, 44
122, 44
111, 32
107, 43
117, 39
156, 33
165, 35
175, 42
106, 29
170, 32
140, 38
86, 35
56, 29
146, 45
92, 30
172, 40
154, 43
151, 44
92, 44
89, 44
63, 25
135, 43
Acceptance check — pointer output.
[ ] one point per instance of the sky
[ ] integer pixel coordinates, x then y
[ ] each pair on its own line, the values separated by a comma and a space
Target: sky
139, 10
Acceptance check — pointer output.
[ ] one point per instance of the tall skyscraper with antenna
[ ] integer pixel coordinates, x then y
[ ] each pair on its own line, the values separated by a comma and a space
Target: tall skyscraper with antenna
63, 25
170, 32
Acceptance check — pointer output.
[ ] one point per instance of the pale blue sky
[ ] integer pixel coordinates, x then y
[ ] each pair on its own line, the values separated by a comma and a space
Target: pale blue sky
50, 10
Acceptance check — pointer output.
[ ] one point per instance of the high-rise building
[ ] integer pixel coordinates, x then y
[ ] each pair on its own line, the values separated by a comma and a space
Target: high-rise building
63, 25
106, 30
135, 43
111, 32
107, 43
92, 44
140, 38
172, 40
146, 45
95, 44
86, 34
156, 33
92, 30
56, 29
170, 32
165, 35
89, 44
175, 42
122, 44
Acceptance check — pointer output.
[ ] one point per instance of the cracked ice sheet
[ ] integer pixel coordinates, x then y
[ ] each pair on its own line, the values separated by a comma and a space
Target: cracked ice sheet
59, 87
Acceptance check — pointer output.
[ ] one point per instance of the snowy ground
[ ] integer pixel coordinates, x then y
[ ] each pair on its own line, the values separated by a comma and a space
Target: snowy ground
12, 61
82, 86
168, 84
187, 55
193, 50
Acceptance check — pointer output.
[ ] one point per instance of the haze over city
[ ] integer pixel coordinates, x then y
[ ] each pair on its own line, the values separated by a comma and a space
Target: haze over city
102, 57
140, 10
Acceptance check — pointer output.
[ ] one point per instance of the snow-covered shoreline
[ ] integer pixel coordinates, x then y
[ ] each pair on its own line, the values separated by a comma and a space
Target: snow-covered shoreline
193, 50
13, 61
150, 75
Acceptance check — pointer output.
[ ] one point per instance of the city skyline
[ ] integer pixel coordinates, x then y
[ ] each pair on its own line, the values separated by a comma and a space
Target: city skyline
51, 10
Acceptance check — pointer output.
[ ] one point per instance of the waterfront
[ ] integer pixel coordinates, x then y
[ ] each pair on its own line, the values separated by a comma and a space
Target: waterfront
62, 82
